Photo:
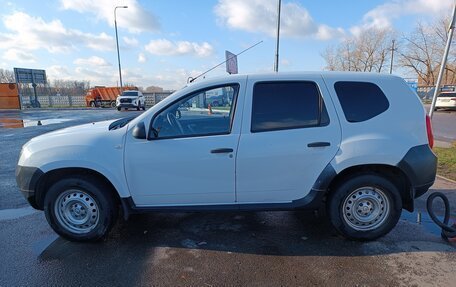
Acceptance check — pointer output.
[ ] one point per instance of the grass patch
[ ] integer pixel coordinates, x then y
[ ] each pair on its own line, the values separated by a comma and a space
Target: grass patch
447, 161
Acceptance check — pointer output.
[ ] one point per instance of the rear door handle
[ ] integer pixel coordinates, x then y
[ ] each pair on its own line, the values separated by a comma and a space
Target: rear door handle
318, 144
222, 150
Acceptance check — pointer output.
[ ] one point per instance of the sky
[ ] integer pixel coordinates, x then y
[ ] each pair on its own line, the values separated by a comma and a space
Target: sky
164, 42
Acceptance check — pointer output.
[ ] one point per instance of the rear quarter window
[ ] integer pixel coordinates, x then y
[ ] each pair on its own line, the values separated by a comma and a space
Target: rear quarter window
360, 101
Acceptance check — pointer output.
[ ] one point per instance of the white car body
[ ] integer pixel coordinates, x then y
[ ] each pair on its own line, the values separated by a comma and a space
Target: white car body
446, 100
265, 170
131, 99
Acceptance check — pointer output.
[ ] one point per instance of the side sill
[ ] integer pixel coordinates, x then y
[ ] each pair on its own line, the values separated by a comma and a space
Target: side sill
312, 201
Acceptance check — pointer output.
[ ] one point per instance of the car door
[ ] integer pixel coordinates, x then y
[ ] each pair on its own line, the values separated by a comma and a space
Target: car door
190, 157
289, 135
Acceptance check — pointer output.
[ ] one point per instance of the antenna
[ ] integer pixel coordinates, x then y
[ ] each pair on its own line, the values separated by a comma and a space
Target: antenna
191, 79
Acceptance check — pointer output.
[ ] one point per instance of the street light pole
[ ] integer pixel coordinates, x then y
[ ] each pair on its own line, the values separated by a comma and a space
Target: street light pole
444, 61
392, 56
117, 42
276, 61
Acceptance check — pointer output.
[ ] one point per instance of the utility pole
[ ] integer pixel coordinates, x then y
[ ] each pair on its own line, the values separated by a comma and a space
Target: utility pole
117, 42
392, 56
276, 61
444, 61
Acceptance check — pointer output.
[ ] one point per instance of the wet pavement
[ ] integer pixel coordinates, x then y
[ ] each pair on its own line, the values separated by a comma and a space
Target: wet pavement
212, 249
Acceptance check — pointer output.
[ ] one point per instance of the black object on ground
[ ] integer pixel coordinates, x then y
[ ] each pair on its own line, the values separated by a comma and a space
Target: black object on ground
448, 232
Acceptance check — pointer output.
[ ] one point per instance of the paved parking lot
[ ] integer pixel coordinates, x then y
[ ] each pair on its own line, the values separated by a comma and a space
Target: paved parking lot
208, 249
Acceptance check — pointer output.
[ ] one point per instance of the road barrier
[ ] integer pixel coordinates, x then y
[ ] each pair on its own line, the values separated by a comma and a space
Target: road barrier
63, 101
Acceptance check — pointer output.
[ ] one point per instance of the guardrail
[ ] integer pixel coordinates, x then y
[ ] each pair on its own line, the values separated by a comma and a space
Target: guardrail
63, 101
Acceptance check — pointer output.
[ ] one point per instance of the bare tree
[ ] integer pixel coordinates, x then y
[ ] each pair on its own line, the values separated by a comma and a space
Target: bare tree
367, 52
423, 52
7, 76
69, 87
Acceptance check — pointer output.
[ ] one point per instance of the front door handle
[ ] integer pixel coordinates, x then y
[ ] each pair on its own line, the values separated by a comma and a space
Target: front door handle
222, 150
318, 144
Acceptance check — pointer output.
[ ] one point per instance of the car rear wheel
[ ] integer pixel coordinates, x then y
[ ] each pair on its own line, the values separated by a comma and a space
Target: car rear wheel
365, 207
80, 209
119, 108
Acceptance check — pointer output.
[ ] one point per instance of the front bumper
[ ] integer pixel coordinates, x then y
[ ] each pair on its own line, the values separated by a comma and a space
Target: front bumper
27, 179
127, 105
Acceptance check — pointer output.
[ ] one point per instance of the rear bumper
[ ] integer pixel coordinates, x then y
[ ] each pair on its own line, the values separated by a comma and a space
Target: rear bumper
420, 166
27, 179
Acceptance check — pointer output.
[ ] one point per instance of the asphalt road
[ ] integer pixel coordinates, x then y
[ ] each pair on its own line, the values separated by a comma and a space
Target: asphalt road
209, 249
444, 125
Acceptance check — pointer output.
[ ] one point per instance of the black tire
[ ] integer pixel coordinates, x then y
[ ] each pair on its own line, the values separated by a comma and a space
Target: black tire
113, 104
106, 207
385, 195
144, 106
119, 108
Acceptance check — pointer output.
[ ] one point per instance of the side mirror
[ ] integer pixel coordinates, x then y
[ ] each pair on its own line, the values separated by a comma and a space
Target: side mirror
139, 131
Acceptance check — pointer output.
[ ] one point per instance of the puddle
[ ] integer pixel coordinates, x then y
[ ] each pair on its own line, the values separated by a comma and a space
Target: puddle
426, 221
8, 214
39, 247
24, 123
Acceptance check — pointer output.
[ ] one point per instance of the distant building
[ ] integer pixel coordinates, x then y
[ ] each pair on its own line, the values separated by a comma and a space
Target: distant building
154, 89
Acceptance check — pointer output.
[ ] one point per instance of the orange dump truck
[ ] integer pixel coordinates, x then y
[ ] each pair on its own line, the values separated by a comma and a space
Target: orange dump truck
9, 96
104, 96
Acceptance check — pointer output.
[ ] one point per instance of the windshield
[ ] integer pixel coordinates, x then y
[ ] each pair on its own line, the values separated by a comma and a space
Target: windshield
130, 94
447, 95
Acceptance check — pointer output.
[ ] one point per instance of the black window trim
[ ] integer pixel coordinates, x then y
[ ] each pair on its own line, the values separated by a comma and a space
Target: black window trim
234, 85
320, 107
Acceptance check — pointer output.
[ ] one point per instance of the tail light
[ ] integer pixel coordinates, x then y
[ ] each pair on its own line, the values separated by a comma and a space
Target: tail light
453, 99
429, 131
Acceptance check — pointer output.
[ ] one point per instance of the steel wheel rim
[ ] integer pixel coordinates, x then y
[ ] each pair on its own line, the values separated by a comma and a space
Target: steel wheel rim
76, 211
366, 208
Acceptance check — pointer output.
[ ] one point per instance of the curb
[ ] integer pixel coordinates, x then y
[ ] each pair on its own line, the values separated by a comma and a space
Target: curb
447, 179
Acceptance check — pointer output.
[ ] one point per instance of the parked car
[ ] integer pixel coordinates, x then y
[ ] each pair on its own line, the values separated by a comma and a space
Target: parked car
131, 99
446, 100
286, 141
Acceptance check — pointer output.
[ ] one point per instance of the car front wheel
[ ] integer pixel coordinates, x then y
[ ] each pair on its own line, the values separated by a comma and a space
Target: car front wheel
80, 209
364, 207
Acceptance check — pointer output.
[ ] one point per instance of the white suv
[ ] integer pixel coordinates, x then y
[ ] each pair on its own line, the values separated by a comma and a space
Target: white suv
281, 142
446, 100
131, 99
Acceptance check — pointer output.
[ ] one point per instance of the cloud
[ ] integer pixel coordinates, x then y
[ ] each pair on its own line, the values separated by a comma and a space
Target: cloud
382, 16
135, 18
132, 42
58, 72
103, 77
32, 33
260, 16
93, 61
163, 47
15, 55
142, 58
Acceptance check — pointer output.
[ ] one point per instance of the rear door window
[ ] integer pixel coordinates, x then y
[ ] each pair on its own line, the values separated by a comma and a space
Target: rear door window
361, 101
287, 105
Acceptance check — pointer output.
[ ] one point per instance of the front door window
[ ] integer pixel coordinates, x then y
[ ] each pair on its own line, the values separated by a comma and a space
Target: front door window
204, 113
